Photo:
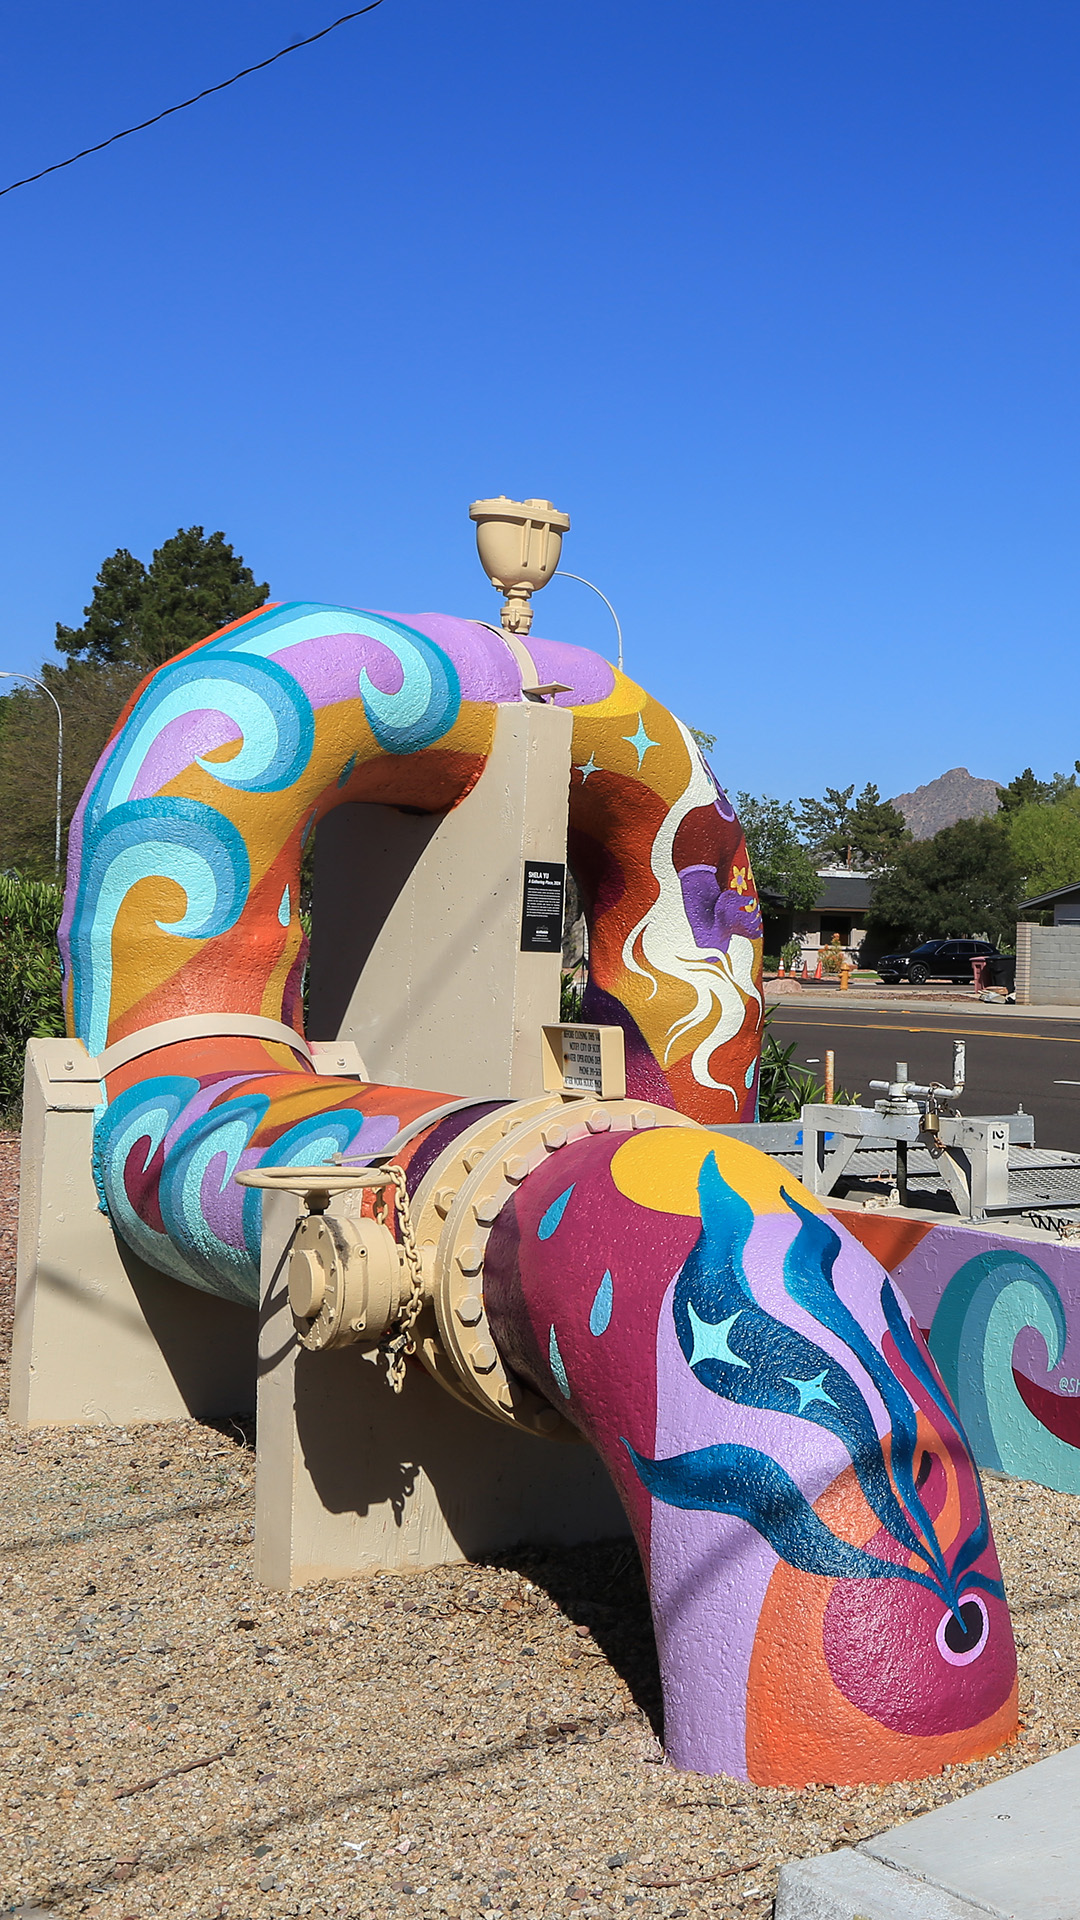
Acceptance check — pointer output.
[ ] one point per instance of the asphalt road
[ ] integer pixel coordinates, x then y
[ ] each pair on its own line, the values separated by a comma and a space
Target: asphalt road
1033, 1062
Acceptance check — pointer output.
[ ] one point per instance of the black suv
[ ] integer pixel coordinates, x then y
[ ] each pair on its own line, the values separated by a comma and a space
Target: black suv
936, 960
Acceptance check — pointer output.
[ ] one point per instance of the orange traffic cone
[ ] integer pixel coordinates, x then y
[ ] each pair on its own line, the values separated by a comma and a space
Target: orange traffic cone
781, 966
817, 969
805, 970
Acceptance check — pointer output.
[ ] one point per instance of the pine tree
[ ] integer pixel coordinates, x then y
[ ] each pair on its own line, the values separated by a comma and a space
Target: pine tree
139, 616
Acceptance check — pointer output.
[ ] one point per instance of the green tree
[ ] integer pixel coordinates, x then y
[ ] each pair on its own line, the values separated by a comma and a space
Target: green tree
140, 615
965, 880
706, 741
779, 860
865, 832
876, 829
1045, 841
1026, 790
824, 824
137, 617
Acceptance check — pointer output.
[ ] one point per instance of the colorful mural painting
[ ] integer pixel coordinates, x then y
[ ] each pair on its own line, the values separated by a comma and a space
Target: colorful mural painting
1002, 1318
827, 1599
183, 897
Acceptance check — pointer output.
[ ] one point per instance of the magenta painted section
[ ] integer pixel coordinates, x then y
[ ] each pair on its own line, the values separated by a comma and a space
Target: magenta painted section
613, 1378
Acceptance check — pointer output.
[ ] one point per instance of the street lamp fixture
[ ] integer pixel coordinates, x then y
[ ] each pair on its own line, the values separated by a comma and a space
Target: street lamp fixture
59, 749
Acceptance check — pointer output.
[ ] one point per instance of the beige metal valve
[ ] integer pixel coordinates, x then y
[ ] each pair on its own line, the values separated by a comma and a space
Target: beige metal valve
345, 1281
346, 1276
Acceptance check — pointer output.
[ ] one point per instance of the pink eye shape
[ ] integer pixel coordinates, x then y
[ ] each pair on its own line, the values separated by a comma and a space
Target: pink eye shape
961, 1641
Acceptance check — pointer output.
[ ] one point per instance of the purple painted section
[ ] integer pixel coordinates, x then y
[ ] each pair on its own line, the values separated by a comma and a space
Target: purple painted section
589, 677
329, 668
714, 915
485, 665
190, 736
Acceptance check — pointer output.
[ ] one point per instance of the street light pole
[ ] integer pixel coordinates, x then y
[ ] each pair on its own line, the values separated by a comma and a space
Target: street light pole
566, 575
59, 750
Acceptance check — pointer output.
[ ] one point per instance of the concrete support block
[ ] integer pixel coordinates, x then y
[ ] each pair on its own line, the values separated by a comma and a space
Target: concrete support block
100, 1338
850, 1886
417, 922
352, 1478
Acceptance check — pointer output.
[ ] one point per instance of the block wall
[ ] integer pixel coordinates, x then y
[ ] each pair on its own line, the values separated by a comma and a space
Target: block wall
1047, 966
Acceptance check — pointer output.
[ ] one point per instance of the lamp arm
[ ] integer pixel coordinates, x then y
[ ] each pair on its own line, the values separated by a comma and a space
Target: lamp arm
565, 573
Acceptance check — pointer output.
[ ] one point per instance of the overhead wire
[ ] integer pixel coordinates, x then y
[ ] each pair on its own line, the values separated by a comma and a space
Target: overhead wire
142, 125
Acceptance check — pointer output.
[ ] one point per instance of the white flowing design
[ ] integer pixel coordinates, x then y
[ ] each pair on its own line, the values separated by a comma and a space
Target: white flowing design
666, 942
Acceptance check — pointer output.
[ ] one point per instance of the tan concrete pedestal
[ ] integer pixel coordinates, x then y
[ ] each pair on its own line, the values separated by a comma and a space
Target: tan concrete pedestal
100, 1338
416, 922
351, 1478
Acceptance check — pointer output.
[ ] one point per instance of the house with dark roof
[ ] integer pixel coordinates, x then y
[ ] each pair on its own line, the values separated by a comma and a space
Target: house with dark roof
1062, 902
841, 908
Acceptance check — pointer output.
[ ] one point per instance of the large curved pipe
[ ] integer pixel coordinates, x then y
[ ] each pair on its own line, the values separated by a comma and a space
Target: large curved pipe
183, 878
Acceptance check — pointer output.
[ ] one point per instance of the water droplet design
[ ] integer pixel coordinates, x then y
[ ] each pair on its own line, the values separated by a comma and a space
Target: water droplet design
555, 1361
346, 771
553, 1215
284, 912
600, 1317
750, 1072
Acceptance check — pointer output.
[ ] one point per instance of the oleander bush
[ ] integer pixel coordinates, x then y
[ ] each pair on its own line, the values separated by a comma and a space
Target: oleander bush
30, 990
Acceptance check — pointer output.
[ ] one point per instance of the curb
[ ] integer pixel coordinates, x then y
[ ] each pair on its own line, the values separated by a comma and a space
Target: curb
1010, 1850
849, 1885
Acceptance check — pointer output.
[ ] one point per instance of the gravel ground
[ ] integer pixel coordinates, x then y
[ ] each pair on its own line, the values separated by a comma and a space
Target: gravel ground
476, 1741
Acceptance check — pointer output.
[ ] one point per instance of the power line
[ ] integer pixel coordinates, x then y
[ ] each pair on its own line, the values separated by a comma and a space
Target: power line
181, 104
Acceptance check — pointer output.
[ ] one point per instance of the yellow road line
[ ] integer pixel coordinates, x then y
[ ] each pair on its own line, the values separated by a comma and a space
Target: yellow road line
987, 1033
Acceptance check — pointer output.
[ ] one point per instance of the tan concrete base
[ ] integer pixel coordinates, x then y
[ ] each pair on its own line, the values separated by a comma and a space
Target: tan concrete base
100, 1338
415, 951
352, 1478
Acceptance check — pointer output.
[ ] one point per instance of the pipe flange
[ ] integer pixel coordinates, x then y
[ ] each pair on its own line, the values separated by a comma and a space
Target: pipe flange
458, 1266
430, 1205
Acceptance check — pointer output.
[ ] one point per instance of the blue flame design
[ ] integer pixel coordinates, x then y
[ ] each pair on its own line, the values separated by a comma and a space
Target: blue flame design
743, 1353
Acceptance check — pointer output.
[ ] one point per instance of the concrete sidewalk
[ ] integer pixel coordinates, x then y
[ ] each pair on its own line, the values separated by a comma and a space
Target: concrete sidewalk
1010, 1850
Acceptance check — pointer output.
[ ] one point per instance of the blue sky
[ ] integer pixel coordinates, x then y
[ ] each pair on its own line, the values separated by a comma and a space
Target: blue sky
777, 299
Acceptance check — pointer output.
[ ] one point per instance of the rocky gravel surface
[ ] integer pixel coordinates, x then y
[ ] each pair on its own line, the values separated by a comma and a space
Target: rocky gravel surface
476, 1741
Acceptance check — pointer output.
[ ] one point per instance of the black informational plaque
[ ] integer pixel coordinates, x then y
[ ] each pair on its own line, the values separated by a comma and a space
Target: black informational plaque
542, 906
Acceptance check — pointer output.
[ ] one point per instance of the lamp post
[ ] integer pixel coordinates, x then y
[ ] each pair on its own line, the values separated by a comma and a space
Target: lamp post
564, 574
59, 749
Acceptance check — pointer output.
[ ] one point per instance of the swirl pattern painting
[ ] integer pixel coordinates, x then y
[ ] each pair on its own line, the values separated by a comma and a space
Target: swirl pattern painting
183, 897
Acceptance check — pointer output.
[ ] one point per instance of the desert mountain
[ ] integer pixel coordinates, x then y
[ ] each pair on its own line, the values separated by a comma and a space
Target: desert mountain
956, 795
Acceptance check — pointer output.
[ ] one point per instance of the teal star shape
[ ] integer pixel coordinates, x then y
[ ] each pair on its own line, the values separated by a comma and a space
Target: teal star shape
640, 740
810, 1390
592, 765
711, 1340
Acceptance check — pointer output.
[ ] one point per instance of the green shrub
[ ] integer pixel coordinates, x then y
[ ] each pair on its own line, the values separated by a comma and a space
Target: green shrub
785, 1088
30, 993
571, 994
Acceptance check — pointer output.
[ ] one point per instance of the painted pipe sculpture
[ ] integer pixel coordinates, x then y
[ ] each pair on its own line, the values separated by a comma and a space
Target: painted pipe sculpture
827, 1599
183, 879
